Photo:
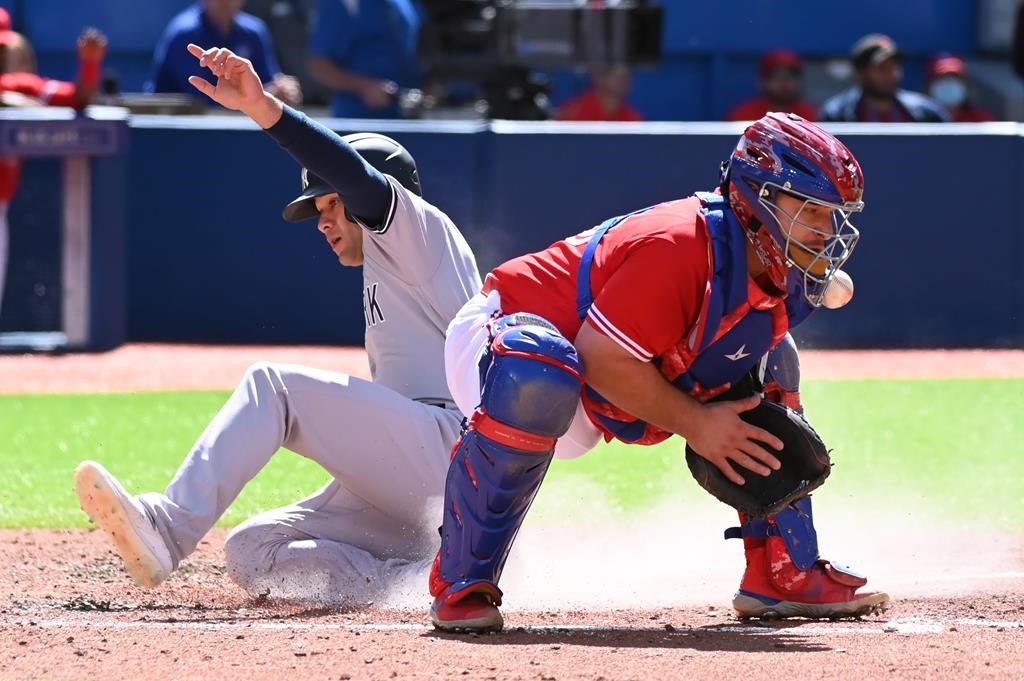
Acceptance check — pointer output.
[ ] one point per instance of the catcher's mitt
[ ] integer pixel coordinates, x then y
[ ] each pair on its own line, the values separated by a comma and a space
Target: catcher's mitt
804, 458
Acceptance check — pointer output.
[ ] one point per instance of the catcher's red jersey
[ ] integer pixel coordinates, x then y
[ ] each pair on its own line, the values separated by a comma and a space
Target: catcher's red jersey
648, 279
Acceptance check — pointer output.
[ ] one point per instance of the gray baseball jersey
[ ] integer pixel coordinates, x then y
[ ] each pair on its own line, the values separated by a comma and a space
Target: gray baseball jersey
370, 527
418, 271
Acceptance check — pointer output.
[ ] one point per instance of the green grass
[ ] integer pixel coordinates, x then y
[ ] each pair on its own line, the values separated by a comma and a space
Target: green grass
954, 446
957, 446
140, 437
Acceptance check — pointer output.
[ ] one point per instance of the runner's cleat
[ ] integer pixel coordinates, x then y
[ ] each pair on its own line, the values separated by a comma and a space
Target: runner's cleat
126, 522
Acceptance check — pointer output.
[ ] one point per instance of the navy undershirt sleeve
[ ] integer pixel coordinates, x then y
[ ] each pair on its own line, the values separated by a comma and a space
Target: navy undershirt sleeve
364, 190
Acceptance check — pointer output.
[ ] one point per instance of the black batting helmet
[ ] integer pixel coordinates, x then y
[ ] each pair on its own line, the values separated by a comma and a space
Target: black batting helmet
380, 151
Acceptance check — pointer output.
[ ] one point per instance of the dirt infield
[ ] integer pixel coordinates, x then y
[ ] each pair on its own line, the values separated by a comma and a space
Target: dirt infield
194, 367
145, 367
68, 611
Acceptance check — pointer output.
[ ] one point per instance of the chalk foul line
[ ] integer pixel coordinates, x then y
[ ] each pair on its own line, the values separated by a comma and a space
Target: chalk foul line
906, 626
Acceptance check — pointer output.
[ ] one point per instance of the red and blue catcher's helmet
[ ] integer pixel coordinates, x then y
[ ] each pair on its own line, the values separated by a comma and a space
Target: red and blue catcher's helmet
785, 154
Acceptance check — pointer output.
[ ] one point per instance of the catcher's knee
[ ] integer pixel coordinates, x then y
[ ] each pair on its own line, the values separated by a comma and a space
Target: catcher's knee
533, 378
780, 369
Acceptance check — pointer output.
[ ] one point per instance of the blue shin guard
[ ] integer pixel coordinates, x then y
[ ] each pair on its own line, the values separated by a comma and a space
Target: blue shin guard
794, 525
531, 382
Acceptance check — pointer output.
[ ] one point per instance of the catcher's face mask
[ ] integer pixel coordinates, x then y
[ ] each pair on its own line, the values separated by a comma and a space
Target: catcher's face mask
819, 235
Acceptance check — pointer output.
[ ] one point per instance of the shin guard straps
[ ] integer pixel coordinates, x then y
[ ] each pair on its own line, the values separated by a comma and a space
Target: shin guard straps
794, 525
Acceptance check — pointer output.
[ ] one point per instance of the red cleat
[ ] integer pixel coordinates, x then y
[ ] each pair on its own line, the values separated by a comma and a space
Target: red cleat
774, 588
471, 609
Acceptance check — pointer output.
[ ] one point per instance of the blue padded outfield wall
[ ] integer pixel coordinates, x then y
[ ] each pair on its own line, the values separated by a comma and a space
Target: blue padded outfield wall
210, 259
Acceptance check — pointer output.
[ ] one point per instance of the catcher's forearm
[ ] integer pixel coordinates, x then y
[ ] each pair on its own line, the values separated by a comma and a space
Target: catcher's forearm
634, 386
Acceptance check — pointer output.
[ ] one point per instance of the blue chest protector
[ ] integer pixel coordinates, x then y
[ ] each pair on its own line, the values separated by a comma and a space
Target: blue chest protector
718, 362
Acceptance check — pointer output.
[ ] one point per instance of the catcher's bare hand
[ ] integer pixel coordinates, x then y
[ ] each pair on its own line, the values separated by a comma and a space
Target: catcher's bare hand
724, 439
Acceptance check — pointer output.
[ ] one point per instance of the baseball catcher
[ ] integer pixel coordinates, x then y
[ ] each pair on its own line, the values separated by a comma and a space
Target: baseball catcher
385, 442
631, 330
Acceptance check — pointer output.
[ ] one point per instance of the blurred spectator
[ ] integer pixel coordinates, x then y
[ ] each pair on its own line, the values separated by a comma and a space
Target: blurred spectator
781, 81
20, 86
217, 23
290, 23
877, 96
604, 101
18, 55
949, 85
364, 51
24, 88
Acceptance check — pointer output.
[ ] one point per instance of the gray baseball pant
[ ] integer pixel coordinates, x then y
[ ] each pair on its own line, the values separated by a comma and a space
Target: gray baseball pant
371, 525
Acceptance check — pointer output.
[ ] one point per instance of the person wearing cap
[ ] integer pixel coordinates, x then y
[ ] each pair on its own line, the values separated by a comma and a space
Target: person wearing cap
949, 85
19, 86
222, 22
385, 442
780, 78
604, 101
877, 96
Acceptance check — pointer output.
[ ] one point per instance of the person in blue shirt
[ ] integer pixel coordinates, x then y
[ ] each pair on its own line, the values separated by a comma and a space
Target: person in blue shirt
364, 51
878, 96
219, 22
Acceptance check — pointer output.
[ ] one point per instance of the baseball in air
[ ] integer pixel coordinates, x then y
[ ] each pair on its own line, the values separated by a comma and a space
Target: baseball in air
839, 291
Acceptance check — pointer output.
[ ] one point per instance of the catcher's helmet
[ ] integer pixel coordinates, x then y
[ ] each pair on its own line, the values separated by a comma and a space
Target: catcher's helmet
785, 153
381, 152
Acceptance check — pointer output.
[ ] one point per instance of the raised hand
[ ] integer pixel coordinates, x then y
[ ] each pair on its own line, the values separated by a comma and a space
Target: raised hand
92, 45
237, 86
724, 439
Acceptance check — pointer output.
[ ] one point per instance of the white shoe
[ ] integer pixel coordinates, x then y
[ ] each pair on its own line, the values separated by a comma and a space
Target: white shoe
125, 521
